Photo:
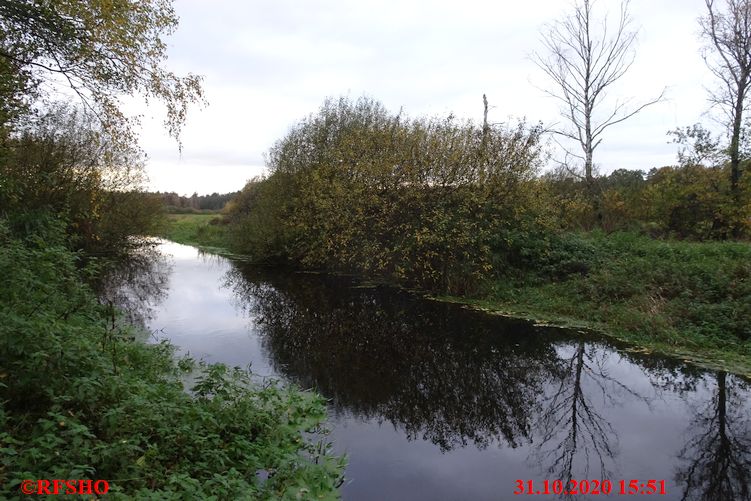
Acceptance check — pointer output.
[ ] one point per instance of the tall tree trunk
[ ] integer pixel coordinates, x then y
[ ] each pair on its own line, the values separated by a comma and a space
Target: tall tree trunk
735, 142
735, 158
730, 35
588, 146
589, 177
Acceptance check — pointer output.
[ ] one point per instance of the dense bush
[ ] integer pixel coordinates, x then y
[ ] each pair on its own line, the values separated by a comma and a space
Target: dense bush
79, 398
545, 255
354, 187
688, 201
696, 202
62, 161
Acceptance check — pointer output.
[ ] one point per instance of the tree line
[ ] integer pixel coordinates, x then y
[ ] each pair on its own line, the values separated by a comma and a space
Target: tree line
214, 202
444, 204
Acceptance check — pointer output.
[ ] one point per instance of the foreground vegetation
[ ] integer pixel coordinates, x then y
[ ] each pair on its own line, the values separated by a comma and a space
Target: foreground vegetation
81, 395
82, 399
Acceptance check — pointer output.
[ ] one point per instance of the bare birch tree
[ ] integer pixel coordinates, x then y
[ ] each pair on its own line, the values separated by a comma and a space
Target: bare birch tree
583, 58
728, 57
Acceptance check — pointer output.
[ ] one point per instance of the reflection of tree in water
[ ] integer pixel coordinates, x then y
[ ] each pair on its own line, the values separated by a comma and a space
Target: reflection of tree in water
574, 436
136, 284
444, 373
717, 458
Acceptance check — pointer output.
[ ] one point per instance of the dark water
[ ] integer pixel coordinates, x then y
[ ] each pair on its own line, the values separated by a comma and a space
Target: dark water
432, 401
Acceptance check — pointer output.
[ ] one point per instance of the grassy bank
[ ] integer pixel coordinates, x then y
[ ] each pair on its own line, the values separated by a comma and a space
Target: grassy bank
200, 230
80, 398
689, 299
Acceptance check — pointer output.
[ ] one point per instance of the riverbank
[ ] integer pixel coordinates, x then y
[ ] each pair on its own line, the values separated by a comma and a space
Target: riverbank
686, 299
697, 352
82, 398
199, 230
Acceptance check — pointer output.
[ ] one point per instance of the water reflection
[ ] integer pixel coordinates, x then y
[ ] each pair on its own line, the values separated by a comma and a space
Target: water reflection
716, 460
454, 377
570, 423
433, 369
137, 284
432, 401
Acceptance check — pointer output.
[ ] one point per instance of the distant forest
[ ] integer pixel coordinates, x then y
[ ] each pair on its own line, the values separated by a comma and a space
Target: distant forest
179, 203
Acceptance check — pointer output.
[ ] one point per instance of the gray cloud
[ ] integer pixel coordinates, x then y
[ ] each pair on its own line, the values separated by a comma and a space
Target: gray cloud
269, 63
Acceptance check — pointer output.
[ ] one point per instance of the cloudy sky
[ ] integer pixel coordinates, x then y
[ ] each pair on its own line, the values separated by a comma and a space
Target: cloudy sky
267, 64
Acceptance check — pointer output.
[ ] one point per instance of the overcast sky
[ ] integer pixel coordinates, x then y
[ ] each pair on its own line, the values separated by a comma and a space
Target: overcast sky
267, 64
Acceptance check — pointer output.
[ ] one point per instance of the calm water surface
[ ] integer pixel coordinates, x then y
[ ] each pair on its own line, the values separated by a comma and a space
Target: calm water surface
432, 401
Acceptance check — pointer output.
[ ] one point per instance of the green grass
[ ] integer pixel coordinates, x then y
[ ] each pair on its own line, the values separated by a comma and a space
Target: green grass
201, 230
688, 299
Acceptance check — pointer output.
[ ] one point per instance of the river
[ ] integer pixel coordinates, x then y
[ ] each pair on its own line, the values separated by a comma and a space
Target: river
433, 401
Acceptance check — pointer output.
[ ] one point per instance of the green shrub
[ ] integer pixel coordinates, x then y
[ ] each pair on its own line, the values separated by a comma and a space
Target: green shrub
545, 256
